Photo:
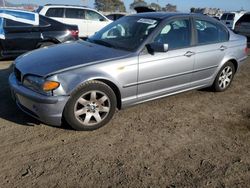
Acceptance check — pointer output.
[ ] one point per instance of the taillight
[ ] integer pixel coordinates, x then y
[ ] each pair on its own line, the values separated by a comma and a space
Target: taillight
74, 33
246, 50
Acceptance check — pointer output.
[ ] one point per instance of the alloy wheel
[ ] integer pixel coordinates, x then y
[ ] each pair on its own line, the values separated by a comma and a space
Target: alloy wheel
225, 77
92, 108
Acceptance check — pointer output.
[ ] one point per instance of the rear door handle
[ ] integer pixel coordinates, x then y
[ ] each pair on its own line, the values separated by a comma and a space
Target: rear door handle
222, 48
189, 54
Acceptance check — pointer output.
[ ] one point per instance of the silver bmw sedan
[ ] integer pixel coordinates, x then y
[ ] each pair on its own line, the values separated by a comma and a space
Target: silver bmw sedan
133, 60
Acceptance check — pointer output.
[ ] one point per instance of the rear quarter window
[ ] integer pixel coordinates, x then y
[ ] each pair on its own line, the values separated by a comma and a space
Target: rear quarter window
209, 32
55, 12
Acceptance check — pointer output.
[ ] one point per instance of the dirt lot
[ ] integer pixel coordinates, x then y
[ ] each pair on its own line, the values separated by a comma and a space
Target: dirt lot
195, 139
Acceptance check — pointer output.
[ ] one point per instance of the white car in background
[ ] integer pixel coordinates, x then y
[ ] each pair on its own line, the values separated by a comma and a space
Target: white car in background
88, 20
230, 18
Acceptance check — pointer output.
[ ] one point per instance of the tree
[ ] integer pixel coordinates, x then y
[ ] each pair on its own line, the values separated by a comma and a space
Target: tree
170, 8
155, 6
138, 3
192, 10
110, 5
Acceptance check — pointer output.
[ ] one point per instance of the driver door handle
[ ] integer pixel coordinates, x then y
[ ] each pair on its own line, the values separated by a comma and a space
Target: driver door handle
189, 54
222, 48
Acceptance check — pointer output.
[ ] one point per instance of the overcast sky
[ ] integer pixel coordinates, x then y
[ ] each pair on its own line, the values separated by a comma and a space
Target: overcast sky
182, 5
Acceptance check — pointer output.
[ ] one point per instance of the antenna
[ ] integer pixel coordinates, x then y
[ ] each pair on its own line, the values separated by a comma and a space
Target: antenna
3, 3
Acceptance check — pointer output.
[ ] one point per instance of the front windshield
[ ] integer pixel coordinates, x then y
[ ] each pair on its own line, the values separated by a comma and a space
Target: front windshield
128, 33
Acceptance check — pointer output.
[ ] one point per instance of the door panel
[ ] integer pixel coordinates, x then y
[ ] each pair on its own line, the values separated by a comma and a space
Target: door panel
81, 23
207, 60
19, 37
75, 16
211, 48
94, 26
164, 73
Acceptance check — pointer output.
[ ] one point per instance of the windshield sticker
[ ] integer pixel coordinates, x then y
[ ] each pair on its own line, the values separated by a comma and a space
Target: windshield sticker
147, 21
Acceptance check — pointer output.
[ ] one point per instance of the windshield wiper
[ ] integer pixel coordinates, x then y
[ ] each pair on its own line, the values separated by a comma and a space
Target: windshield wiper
104, 43
101, 42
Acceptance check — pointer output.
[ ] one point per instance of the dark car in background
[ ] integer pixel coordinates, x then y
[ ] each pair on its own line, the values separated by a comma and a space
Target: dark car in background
21, 37
243, 26
115, 16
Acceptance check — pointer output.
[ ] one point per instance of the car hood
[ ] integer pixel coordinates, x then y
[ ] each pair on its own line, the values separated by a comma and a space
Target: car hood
47, 61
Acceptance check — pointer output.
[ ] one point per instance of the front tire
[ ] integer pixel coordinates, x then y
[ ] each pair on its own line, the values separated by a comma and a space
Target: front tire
224, 78
91, 106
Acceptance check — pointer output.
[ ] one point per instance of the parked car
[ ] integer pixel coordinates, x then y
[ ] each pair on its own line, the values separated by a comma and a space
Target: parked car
243, 26
230, 18
142, 9
22, 37
217, 18
115, 16
88, 20
136, 59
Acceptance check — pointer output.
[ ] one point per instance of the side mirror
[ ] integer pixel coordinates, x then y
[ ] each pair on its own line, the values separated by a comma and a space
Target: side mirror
157, 47
102, 19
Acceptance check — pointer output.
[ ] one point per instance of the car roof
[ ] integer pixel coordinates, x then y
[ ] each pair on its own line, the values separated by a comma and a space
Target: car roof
67, 6
164, 15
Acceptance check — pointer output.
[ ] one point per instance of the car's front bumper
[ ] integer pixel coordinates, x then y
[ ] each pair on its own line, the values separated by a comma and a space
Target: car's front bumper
48, 109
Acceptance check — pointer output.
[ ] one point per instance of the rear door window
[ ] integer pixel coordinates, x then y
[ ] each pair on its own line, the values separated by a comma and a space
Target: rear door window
55, 12
209, 32
74, 13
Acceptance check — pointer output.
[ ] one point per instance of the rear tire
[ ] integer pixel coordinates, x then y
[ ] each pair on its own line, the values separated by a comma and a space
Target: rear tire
91, 106
224, 78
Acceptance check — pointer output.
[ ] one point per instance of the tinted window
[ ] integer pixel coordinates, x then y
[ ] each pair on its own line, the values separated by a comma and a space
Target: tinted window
91, 15
224, 17
176, 34
114, 16
11, 23
230, 16
55, 12
39, 9
43, 23
74, 13
208, 32
245, 18
111, 17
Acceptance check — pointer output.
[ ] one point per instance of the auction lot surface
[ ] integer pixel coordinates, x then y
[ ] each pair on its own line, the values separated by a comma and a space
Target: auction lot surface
195, 139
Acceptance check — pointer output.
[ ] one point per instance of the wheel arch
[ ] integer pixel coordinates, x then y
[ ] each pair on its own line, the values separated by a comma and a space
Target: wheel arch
115, 89
235, 63
229, 59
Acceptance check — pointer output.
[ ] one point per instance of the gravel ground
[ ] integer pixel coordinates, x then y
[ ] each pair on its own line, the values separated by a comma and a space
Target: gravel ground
195, 139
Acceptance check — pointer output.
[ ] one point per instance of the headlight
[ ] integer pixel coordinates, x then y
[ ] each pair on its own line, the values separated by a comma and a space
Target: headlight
39, 84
